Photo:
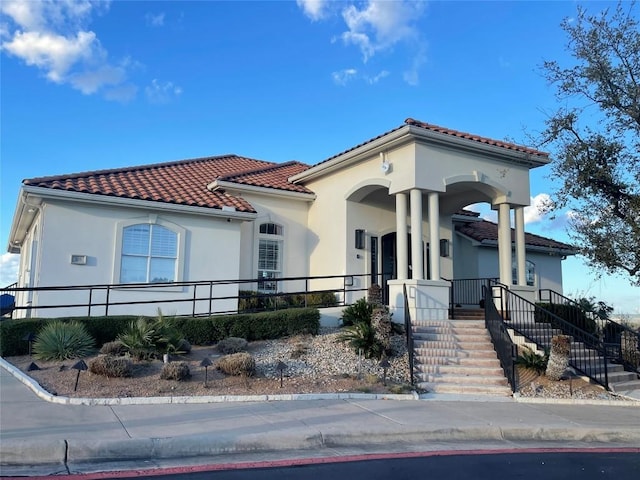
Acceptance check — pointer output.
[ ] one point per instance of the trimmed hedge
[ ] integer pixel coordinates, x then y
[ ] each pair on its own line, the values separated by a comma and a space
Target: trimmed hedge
570, 313
252, 301
198, 331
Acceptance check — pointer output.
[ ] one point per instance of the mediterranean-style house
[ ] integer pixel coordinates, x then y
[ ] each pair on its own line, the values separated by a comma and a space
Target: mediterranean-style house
389, 211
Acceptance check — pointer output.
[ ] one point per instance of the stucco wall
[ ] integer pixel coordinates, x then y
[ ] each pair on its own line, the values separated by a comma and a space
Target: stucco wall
210, 246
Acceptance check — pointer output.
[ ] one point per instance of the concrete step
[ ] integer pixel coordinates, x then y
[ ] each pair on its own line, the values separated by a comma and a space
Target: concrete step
449, 323
463, 361
448, 344
621, 377
622, 387
460, 337
497, 390
453, 352
466, 370
461, 379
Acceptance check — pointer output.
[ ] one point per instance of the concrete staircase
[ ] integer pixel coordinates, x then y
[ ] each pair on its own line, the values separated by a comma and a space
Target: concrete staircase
457, 357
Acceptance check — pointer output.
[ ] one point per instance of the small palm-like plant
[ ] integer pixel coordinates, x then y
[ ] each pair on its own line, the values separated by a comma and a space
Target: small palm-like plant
531, 360
62, 341
358, 312
138, 338
362, 336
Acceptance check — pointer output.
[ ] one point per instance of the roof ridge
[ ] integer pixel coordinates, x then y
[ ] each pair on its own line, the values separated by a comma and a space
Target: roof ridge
145, 167
266, 168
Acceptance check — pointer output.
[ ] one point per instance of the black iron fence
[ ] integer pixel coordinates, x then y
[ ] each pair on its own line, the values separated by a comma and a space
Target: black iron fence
588, 355
621, 342
467, 293
196, 298
506, 350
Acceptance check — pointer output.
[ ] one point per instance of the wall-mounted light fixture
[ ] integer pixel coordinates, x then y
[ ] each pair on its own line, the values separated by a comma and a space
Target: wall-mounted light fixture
444, 247
359, 239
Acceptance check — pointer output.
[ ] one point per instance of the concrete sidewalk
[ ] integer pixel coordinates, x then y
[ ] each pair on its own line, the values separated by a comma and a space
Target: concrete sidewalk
36, 432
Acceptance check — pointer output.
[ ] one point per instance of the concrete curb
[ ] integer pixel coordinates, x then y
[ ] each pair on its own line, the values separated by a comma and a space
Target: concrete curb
19, 453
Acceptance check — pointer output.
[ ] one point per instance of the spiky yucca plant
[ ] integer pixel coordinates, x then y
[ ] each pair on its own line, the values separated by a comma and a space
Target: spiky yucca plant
62, 341
532, 361
362, 336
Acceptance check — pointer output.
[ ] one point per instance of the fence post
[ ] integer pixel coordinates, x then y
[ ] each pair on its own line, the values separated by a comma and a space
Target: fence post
211, 298
90, 300
106, 304
193, 311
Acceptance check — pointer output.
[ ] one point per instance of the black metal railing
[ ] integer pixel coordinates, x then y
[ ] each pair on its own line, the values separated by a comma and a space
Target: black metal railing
588, 355
467, 293
197, 298
506, 350
409, 332
620, 341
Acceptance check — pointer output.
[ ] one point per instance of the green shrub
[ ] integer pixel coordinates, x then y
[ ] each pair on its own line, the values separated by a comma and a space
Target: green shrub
232, 345
358, 312
175, 371
61, 341
111, 366
13, 332
113, 348
531, 360
237, 364
252, 301
362, 336
150, 338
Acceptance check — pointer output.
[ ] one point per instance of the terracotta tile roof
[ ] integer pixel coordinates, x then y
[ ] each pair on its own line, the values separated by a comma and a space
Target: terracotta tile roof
476, 138
483, 231
183, 182
455, 133
272, 176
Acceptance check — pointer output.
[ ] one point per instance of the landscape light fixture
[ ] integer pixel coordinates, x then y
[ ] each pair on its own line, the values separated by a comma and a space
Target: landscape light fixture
206, 363
384, 363
281, 367
79, 366
29, 337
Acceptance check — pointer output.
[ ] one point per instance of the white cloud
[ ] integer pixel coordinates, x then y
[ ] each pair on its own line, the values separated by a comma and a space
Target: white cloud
8, 268
539, 208
343, 76
155, 20
380, 24
376, 26
377, 78
52, 36
159, 92
314, 9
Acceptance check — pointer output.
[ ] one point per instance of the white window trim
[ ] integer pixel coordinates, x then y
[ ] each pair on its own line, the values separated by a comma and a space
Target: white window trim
266, 236
151, 219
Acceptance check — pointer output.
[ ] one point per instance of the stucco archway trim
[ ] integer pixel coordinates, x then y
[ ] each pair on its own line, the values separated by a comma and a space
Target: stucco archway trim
495, 190
361, 189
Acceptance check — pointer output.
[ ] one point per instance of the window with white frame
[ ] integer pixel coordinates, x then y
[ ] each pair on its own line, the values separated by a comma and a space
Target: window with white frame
270, 241
149, 254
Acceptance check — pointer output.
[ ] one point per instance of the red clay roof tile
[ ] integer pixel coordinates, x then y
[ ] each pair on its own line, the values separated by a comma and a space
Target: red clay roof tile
182, 182
484, 230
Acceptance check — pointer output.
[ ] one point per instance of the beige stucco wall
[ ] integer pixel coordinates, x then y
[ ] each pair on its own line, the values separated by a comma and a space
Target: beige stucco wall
210, 249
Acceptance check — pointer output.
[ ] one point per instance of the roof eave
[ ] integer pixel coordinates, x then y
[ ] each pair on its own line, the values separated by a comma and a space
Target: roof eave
273, 192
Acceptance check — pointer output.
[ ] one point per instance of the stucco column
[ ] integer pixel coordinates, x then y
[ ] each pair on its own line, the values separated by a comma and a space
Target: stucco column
434, 234
402, 250
504, 243
520, 245
417, 260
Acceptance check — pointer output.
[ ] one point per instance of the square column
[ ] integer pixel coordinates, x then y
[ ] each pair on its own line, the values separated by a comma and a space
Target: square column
504, 243
402, 248
434, 234
417, 258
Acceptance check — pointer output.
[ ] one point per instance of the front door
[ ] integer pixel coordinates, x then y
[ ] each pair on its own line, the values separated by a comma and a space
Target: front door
389, 265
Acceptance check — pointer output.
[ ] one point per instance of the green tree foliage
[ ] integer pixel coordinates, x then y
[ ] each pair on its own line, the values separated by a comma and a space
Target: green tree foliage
596, 137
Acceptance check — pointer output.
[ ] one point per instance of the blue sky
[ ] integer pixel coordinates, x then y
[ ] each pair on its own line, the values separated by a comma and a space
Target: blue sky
91, 85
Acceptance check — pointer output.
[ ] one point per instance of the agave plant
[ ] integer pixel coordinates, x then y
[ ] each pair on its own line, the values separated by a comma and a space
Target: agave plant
532, 361
62, 341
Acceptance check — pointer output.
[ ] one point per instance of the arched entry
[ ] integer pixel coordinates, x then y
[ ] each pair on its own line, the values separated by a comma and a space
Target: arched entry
389, 264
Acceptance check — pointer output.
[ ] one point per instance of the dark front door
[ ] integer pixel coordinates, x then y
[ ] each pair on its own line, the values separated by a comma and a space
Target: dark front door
390, 265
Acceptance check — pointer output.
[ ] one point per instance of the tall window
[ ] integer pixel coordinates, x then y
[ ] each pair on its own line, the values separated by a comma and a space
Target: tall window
530, 272
149, 254
269, 257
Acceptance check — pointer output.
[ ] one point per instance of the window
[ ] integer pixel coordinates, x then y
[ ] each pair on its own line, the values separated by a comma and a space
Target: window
269, 257
149, 254
530, 272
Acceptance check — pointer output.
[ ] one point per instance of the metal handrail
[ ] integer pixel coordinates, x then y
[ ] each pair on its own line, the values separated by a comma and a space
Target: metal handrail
588, 355
467, 292
100, 297
409, 332
506, 350
609, 331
